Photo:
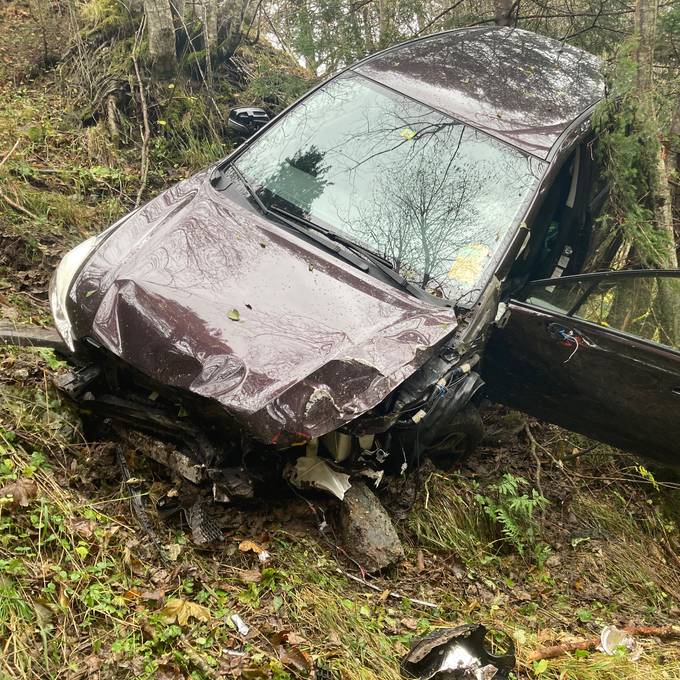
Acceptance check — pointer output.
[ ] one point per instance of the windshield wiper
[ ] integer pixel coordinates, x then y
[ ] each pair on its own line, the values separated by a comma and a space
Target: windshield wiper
357, 255
382, 263
333, 236
343, 252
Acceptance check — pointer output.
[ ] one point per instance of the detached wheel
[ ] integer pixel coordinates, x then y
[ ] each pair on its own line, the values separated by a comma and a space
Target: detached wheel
464, 435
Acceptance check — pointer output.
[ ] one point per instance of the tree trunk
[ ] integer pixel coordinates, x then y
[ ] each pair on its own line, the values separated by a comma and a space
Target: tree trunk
673, 168
385, 23
646, 12
209, 21
161, 30
503, 12
234, 18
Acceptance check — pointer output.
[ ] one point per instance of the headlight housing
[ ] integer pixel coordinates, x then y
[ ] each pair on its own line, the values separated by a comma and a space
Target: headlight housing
66, 271
60, 285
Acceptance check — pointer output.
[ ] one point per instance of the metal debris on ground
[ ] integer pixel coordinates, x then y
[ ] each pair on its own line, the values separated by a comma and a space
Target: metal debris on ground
138, 503
456, 654
204, 529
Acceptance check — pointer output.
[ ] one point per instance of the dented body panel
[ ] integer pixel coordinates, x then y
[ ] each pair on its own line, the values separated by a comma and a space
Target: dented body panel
199, 293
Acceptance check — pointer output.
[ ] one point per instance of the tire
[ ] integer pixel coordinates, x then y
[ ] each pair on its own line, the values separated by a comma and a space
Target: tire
464, 435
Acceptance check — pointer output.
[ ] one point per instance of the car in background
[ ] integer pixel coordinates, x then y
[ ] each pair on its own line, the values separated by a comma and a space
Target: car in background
335, 296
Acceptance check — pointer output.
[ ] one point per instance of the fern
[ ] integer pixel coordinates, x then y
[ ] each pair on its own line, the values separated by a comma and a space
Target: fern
514, 512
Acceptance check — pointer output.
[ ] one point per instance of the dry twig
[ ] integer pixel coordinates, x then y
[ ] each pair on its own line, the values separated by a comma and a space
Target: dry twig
592, 643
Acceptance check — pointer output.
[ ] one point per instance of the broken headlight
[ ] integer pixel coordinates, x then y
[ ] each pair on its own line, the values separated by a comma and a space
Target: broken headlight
61, 284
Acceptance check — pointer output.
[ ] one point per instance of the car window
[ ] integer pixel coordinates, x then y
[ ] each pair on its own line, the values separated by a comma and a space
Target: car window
434, 196
646, 306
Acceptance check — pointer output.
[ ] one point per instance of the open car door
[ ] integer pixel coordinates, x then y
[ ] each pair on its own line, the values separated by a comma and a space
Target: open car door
598, 354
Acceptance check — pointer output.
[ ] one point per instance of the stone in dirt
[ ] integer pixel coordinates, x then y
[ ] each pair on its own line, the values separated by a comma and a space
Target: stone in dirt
367, 530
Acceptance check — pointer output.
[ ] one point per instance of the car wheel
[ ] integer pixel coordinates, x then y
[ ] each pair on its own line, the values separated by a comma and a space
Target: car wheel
464, 435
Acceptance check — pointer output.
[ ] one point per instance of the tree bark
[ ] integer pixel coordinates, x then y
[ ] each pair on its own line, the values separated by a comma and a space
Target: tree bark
161, 31
209, 21
646, 12
503, 12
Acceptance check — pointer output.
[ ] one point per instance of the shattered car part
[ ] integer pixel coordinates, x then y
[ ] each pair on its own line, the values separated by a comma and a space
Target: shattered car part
23, 335
312, 471
204, 530
456, 654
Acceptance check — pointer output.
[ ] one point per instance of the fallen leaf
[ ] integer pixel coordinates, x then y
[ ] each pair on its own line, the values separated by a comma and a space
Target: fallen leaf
296, 660
250, 576
234, 315
409, 623
153, 595
84, 527
18, 493
173, 551
179, 611
250, 546
295, 639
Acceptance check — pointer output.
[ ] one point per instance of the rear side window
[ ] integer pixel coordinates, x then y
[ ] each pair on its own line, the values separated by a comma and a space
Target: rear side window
645, 306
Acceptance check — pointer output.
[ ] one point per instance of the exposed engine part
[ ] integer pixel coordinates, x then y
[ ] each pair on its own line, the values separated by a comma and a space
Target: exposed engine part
338, 444
433, 429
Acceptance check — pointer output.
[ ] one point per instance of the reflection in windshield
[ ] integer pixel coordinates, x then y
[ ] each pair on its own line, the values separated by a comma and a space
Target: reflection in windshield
434, 196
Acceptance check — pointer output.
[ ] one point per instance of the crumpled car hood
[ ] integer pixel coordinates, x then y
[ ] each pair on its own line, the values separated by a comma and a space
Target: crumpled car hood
200, 293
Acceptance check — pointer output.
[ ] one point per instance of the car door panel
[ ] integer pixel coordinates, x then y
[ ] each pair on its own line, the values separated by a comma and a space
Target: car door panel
591, 379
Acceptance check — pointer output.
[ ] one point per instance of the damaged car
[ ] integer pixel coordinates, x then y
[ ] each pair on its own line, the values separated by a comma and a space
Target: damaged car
336, 296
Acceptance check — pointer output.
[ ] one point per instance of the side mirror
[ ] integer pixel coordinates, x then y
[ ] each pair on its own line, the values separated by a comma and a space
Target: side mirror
246, 120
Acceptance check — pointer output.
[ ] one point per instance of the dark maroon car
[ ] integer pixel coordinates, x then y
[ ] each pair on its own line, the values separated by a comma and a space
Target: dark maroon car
336, 293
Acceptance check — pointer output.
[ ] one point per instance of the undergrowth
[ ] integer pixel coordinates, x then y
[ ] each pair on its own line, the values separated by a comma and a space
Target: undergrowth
84, 592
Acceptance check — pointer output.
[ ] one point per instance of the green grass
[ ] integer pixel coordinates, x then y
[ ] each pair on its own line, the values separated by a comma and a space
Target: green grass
77, 573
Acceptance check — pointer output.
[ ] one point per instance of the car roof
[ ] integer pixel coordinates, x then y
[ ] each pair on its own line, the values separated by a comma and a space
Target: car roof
521, 87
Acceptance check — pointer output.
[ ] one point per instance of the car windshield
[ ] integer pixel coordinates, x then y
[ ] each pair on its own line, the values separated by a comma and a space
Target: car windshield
432, 195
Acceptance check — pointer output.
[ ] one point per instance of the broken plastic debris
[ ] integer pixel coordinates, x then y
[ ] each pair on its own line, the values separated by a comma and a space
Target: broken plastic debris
613, 641
456, 653
314, 471
375, 475
240, 625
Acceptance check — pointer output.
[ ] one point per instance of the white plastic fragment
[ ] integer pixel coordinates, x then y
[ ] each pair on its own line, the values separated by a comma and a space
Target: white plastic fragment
418, 416
310, 470
240, 625
613, 640
375, 475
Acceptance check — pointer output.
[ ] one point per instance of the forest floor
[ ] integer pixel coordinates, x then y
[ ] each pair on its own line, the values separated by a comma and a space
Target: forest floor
85, 594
